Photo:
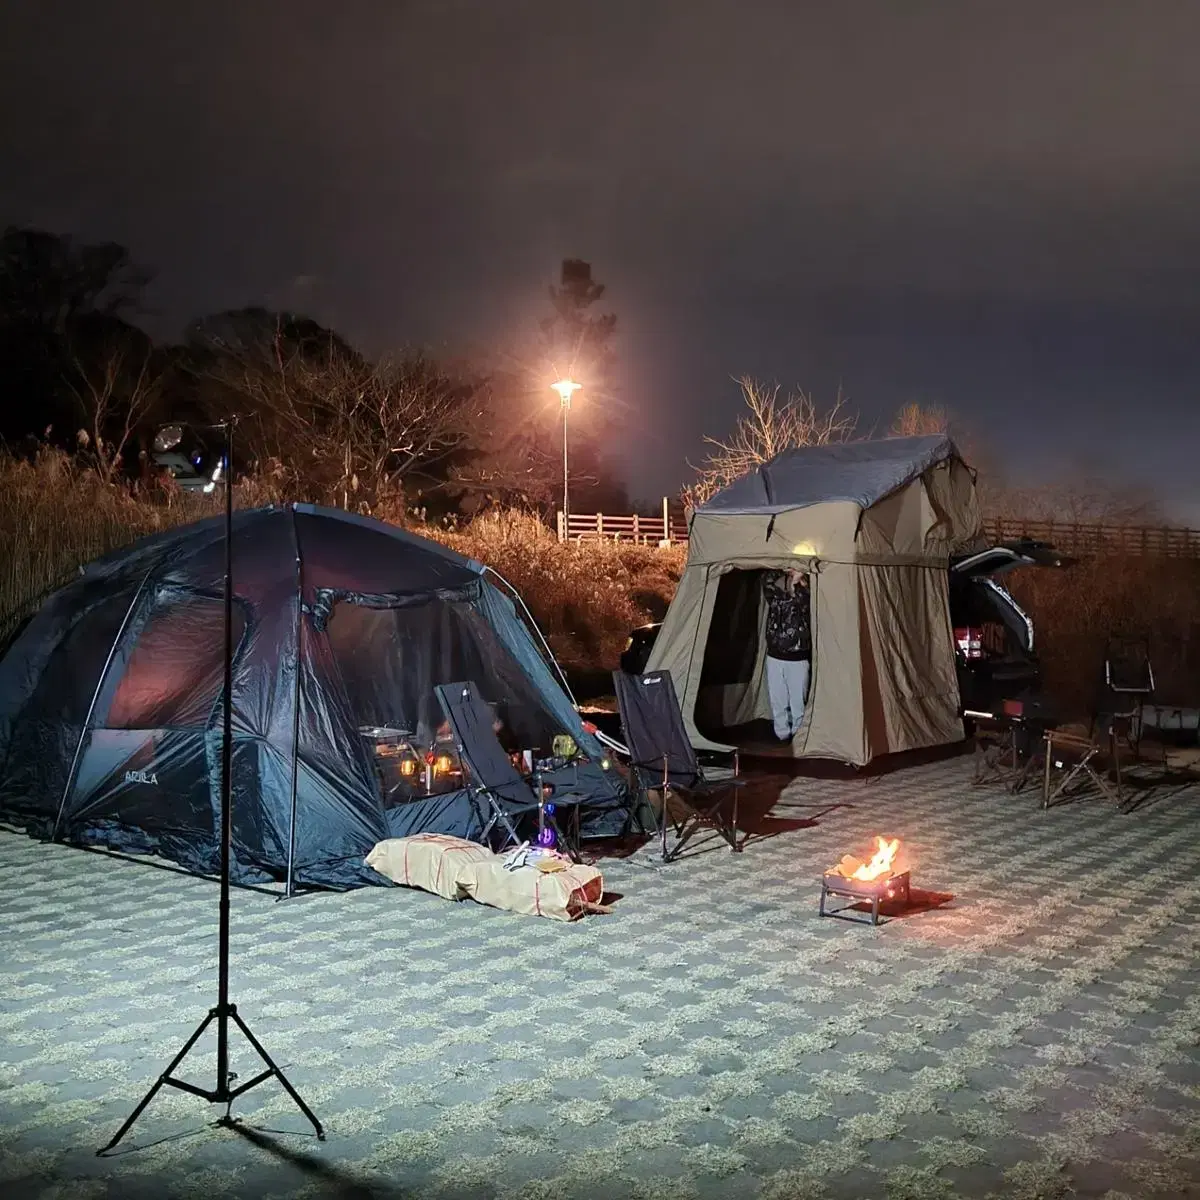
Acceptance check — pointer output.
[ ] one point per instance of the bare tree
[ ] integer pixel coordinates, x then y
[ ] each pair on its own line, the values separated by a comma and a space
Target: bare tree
1076, 497
337, 425
918, 420
770, 426
116, 393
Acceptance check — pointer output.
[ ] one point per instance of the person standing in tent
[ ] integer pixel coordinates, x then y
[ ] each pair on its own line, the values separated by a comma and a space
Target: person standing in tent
789, 648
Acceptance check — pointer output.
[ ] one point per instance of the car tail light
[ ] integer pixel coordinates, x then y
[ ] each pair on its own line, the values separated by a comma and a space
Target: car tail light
969, 640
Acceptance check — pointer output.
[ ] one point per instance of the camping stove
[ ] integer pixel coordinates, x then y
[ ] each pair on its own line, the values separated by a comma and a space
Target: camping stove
874, 881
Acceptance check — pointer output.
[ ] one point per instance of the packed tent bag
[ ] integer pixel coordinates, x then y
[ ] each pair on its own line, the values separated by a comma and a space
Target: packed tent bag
564, 894
433, 862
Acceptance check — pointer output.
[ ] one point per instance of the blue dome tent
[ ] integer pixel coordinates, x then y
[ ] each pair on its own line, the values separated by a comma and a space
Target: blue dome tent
111, 700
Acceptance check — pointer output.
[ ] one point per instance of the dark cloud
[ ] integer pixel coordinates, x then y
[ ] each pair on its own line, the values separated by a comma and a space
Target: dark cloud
987, 206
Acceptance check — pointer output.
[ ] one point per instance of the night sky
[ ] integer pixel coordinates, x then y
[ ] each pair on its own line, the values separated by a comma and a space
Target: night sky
987, 206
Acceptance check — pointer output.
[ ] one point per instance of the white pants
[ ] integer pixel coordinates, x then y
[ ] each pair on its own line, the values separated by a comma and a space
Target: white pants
787, 686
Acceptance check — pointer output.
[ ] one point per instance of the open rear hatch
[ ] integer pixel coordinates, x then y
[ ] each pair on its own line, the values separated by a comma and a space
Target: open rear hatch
1006, 556
993, 635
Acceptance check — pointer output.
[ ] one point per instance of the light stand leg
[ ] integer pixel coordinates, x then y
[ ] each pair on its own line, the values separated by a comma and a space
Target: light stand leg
224, 1011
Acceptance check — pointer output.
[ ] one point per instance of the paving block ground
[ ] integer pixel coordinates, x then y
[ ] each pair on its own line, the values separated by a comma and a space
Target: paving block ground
1035, 1036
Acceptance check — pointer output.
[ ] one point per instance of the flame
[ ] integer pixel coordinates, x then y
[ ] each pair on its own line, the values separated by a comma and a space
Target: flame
880, 865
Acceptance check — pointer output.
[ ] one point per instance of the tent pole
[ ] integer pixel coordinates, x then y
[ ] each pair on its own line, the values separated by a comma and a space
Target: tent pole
223, 1012
541, 636
87, 721
290, 888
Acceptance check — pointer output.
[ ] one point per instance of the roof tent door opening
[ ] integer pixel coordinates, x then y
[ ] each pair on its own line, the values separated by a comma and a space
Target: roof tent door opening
733, 704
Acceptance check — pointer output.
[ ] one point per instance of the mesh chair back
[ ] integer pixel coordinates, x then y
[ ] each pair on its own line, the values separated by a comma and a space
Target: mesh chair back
478, 747
1127, 666
653, 724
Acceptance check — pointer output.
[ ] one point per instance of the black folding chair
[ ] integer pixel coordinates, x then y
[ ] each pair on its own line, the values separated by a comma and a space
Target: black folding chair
663, 759
491, 776
1127, 686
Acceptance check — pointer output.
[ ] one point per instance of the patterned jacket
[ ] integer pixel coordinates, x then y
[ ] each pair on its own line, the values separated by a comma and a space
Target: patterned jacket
789, 623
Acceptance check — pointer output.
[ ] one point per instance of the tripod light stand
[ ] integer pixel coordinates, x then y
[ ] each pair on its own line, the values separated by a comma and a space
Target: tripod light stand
224, 1092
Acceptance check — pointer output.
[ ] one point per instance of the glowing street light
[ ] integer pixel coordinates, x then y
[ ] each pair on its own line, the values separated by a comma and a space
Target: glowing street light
566, 388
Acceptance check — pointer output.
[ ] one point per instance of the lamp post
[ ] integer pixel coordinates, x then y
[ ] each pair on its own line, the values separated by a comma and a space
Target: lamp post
566, 388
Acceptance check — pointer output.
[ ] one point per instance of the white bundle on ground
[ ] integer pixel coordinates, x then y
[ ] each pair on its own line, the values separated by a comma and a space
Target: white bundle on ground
564, 895
455, 869
432, 862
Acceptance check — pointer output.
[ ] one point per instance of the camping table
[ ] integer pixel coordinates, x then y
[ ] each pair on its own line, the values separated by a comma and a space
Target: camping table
381, 737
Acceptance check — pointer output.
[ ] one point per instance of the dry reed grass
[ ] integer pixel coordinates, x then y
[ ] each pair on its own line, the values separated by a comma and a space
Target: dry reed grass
1076, 610
55, 516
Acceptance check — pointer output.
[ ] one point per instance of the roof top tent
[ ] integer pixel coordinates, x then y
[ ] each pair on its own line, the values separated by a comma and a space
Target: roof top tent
111, 699
874, 523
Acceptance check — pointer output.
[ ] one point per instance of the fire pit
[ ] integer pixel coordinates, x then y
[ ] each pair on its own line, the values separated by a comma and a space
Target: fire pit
882, 877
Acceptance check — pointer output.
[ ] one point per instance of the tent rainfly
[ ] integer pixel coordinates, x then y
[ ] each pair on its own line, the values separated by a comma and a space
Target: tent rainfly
874, 523
111, 696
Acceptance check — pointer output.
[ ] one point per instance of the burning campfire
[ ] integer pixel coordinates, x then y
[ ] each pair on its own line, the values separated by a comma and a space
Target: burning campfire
878, 867
883, 876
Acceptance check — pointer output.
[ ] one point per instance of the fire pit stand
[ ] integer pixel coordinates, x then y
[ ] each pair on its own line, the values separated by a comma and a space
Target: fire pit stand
893, 887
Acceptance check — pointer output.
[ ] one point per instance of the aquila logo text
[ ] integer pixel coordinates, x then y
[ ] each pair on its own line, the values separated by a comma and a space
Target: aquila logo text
141, 777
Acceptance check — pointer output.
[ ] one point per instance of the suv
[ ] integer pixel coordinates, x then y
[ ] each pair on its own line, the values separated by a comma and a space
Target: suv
189, 457
993, 636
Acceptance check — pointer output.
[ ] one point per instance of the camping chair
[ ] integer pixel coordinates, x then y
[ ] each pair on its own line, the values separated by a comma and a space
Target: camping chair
1128, 685
1081, 758
1010, 742
663, 759
490, 774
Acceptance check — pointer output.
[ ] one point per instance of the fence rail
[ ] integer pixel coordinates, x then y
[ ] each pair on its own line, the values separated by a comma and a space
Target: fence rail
1068, 536
624, 527
1099, 538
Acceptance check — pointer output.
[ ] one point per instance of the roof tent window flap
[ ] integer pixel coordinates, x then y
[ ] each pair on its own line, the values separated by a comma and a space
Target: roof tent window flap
390, 660
326, 598
174, 673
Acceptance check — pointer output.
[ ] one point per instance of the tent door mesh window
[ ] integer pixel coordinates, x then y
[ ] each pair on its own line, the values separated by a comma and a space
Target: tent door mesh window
147, 763
391, 659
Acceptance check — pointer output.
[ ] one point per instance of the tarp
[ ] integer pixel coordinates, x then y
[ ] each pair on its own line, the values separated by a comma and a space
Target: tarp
111, 697
862, 473
874, 525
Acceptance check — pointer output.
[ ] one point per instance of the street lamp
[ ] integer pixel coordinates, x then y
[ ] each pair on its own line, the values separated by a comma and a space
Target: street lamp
566, 388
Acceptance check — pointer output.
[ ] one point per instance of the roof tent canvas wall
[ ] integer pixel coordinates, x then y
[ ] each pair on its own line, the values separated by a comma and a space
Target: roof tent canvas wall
111, 697
874, 523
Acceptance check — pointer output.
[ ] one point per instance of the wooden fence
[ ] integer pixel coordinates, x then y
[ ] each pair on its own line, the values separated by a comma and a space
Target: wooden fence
1098, 538
1082, 538
625, 527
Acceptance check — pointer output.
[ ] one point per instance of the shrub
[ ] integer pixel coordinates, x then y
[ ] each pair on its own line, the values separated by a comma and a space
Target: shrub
586, 596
